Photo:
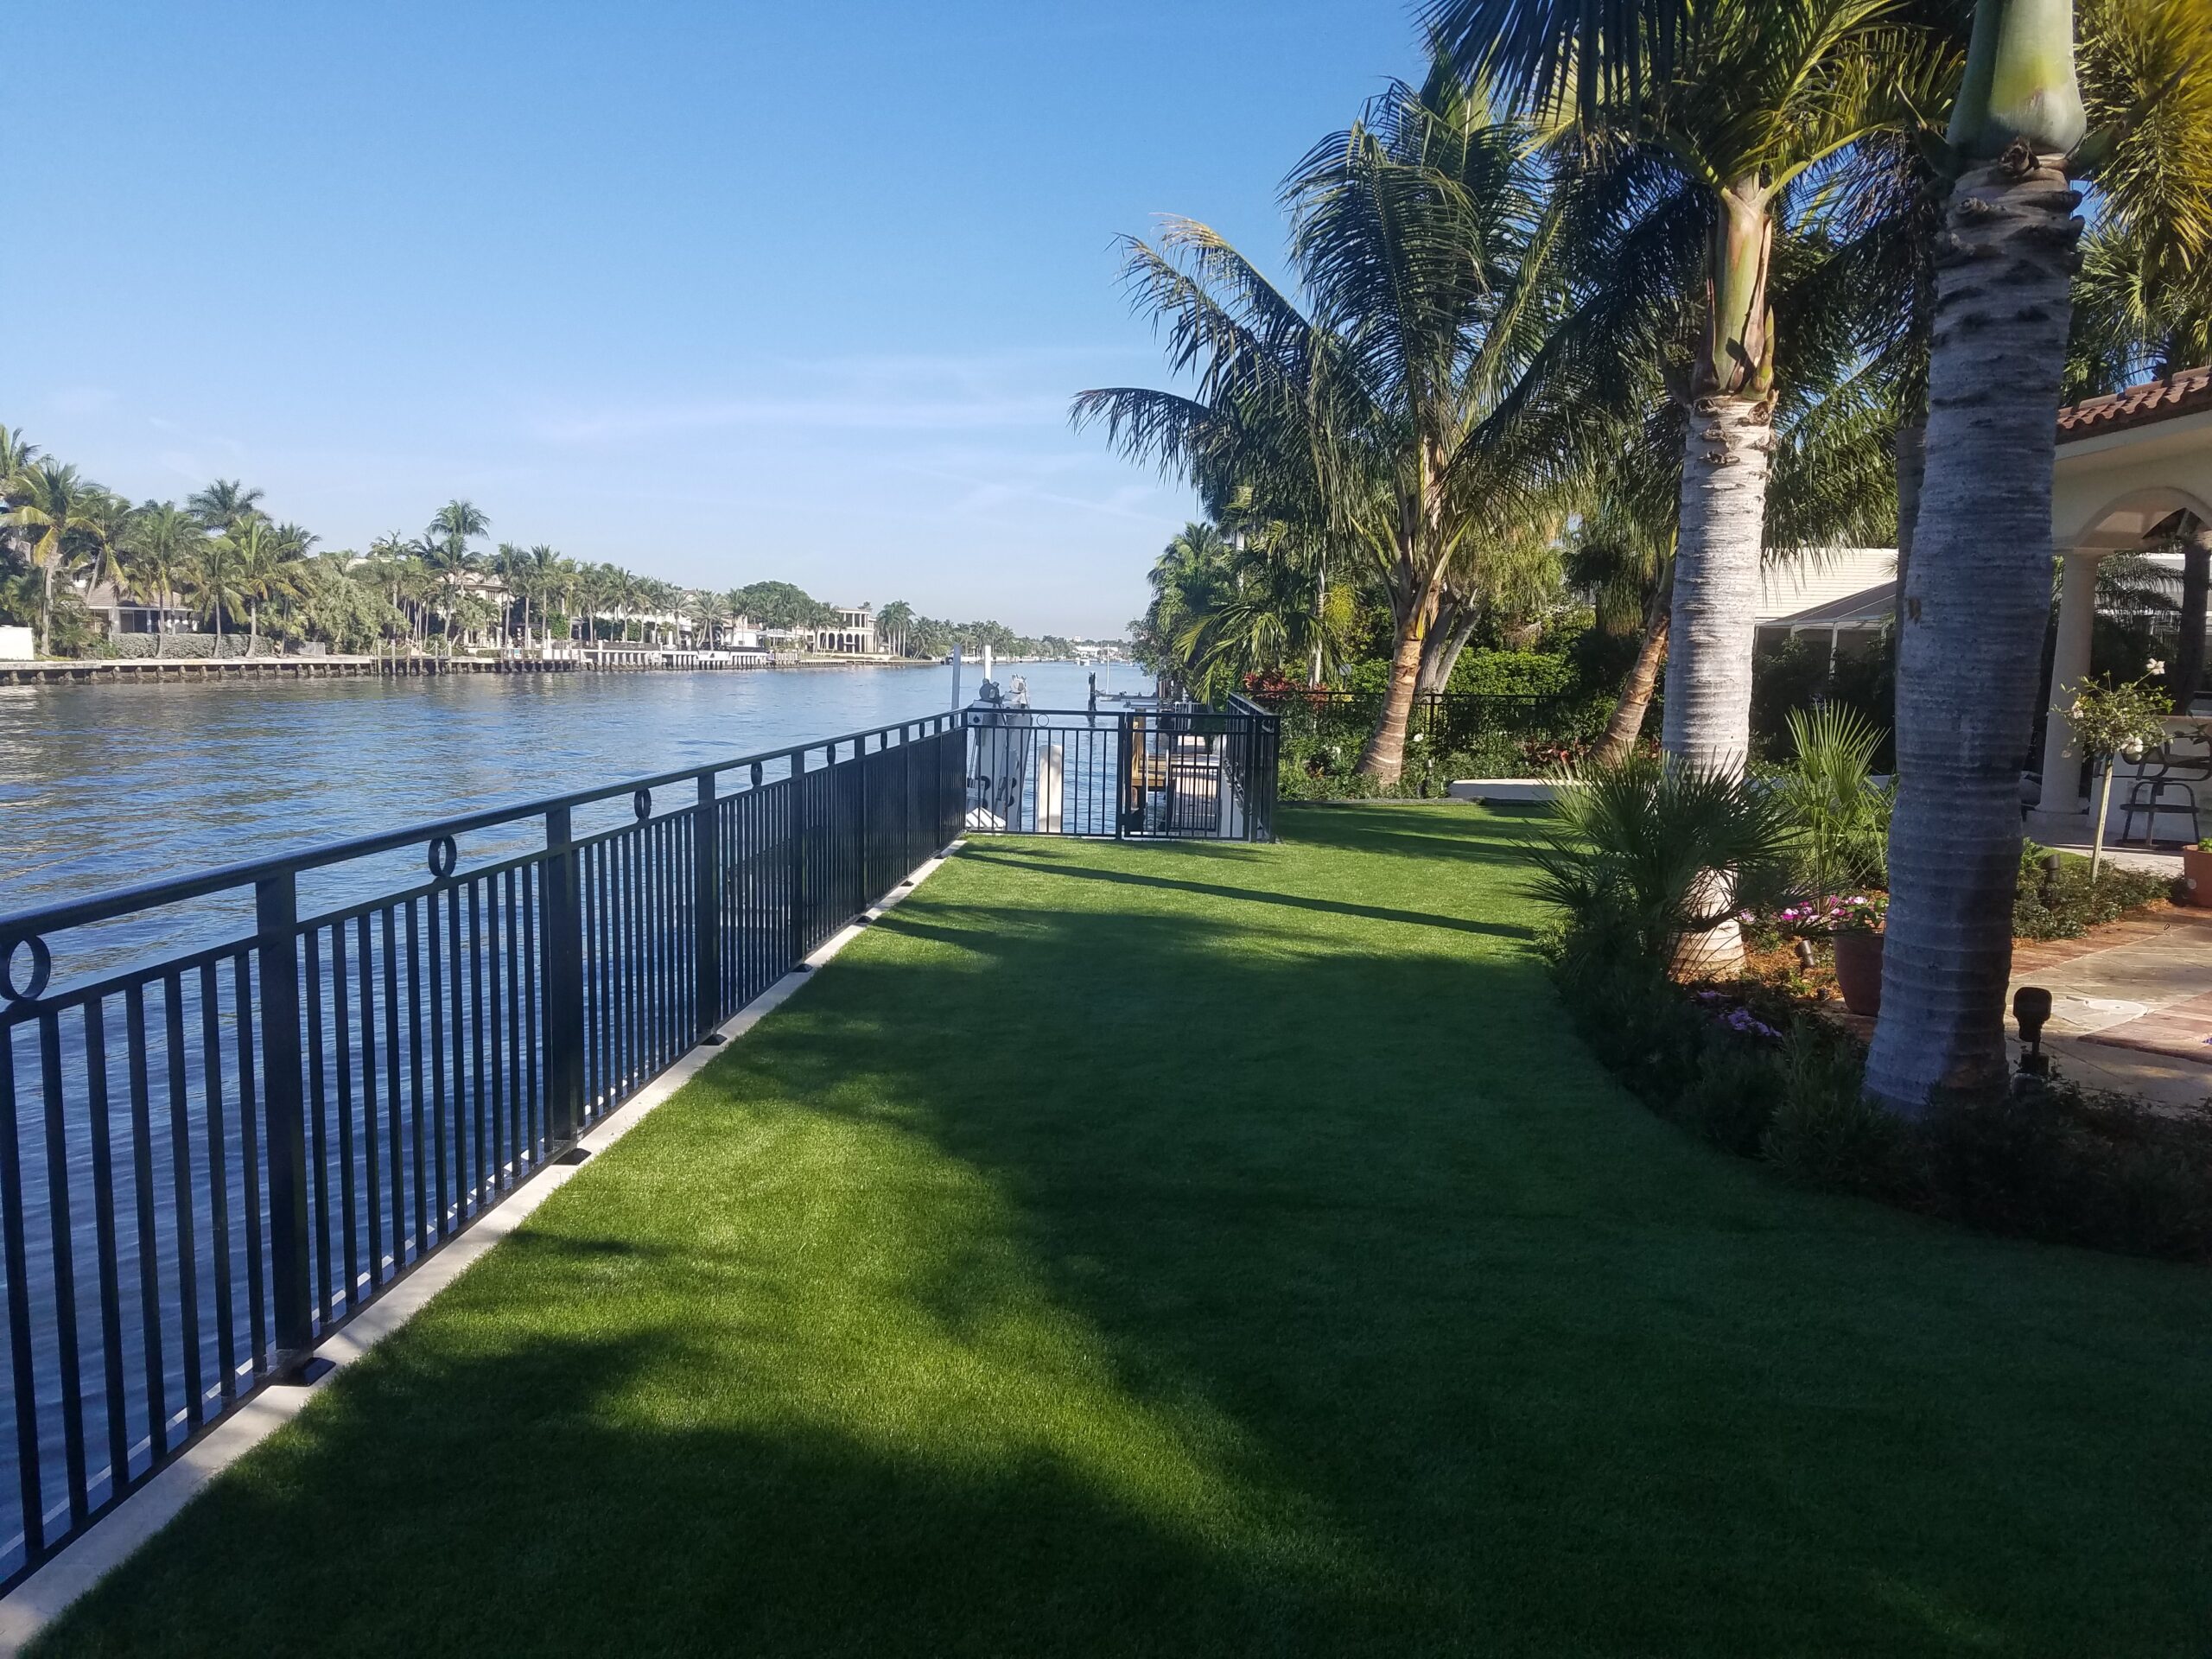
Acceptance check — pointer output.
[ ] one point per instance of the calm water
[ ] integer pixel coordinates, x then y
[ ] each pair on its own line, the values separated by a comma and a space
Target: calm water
108, 785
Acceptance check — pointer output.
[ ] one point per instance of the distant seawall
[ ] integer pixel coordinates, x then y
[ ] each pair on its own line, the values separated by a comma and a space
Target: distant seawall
142, 669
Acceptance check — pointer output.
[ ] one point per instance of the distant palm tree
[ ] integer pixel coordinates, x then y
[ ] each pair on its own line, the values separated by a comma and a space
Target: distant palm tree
224, 505
54, 505
267, 564
893, 624
164, 538
108, 530
215, 581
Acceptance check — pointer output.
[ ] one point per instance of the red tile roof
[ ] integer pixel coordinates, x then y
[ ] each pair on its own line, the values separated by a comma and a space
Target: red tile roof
2154, 400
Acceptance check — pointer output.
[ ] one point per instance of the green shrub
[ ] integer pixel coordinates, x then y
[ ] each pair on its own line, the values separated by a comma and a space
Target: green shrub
1826, 1133
2049, 1161
2058, 900
2065, 1164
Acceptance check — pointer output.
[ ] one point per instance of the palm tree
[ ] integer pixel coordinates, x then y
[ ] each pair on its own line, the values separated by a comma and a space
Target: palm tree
893, 624
164, 540
54, 506
213, 579
266, 559
1382, 417
1743, 109
1977, 598
108, 530
224, 506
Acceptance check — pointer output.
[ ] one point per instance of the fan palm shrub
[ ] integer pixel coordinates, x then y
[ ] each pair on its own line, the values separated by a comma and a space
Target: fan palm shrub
1840, 815
1647, 855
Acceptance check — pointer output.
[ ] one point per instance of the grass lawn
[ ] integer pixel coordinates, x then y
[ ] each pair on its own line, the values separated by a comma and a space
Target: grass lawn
1218, 1250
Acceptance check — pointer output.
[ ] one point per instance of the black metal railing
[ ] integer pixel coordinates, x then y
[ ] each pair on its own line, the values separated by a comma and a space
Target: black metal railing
1132, 773
224, 1130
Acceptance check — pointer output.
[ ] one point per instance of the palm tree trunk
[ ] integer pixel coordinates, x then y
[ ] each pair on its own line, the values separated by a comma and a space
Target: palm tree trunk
1911, 468
2195, 580
1725, 457
1385, 755
1627, 724
1975, 611
1448, 637
1713, 617
46, 607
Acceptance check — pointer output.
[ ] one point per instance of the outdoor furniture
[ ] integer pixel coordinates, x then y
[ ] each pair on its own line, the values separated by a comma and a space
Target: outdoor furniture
2175, 767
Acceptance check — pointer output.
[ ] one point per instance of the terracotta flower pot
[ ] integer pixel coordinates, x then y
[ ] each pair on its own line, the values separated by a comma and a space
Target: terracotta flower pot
2196, 872
1858, 971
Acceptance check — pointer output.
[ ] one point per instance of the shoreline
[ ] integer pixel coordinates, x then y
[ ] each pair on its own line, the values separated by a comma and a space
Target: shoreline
175, 671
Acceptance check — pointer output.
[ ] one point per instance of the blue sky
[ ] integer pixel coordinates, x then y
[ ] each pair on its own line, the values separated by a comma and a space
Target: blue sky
721, 292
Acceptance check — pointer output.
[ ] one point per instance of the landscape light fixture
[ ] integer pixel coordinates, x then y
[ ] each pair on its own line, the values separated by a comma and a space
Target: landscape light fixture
2031, 1007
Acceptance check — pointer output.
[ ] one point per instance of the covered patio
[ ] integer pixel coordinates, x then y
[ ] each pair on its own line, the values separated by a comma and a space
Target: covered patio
2127, 464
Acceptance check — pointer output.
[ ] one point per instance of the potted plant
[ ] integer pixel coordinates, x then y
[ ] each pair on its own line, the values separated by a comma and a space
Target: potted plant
1853, 927
2196, 874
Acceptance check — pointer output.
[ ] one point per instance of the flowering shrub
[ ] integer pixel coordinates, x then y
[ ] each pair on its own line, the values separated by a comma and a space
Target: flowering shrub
1861, 912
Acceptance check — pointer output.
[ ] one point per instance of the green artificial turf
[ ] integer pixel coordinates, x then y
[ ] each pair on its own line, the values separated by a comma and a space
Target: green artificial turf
1217, 1250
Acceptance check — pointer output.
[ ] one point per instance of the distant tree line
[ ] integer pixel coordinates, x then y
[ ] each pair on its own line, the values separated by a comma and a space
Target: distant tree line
74, 555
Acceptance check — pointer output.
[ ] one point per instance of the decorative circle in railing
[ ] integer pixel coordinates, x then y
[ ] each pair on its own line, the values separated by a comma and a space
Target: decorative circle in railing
641, 803
443, 857
42, 970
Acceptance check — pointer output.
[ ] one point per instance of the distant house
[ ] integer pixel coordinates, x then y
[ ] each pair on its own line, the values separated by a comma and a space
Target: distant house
854, 632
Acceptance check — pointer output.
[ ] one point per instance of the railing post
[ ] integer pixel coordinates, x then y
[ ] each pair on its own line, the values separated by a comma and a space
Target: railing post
563, 982
859, 818
276, 949
707, 910
796, 850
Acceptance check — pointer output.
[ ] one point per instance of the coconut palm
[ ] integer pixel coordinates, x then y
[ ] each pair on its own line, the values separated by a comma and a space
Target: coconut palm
164, 538
892, 624
1372, 416
265, 564
214, 582
224, 506
108, 528
54, 507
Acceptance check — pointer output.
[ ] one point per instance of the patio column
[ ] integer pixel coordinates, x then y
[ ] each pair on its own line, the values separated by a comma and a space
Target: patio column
2077, 615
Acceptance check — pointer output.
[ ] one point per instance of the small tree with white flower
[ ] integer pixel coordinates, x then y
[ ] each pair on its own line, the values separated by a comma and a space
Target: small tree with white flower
2108, 721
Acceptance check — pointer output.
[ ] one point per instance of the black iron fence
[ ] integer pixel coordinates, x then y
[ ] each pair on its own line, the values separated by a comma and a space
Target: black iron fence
213, 1156
1164, 773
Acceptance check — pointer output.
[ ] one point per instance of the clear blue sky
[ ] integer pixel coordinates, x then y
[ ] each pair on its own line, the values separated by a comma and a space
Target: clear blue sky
722, 292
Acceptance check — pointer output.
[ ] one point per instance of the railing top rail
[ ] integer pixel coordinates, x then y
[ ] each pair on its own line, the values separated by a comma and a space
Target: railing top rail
123, 901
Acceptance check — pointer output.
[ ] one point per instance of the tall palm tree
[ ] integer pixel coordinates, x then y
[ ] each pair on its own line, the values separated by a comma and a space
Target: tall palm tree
1377, 415
1977, 598
543, 573
1743, 109
266, 559
215, 582
53, 506
164, 538
893, 624
108, 529
224, 505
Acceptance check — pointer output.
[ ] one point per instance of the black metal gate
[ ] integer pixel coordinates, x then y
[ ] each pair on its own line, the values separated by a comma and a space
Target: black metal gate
1131, 774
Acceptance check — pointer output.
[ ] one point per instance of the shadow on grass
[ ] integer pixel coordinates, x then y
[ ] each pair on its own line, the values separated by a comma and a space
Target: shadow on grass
1058, 1275
1060, 866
